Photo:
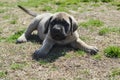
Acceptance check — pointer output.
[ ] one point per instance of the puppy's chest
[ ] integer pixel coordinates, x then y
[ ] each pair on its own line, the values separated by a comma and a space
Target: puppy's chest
66, 41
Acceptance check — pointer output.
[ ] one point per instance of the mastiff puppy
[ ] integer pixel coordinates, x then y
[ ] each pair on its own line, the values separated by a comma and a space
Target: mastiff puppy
58, 28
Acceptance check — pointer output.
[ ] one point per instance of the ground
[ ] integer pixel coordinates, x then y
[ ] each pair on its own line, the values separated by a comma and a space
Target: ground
63, 62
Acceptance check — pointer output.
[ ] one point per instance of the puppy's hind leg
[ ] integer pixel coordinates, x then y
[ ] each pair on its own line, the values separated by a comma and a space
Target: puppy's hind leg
27, 33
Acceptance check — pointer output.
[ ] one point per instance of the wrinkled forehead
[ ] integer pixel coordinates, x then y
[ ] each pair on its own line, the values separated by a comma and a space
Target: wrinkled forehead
61, 17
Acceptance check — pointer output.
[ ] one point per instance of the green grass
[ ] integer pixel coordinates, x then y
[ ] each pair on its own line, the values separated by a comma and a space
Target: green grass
37, 3
13, 17
2, 10
68, 55
92, 23
89, 0
96, 4
43, 62
106, 30
79, 52
6, 17
116, 3
85, 38
107, 0
53, 5
1, 30
61, 9
3, 74
97, 57
2, 39
16, 66
3, 4
57, 5
112, 52
34, 3
14, 37
115, 72
14, 21
96, 0
54, 68
6, 4
47, 8
84, 71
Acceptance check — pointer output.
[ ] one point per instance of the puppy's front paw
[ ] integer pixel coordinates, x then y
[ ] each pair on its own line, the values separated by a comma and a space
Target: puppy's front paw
37, 55
21, 39
93, 50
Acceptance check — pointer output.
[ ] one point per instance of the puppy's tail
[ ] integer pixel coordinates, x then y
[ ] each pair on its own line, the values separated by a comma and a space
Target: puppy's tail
28, 11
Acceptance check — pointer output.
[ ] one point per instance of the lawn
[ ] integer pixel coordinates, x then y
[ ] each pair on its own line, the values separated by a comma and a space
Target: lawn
99, 25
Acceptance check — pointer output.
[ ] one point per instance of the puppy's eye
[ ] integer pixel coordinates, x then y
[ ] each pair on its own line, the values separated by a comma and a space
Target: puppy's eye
65, 24
52, 23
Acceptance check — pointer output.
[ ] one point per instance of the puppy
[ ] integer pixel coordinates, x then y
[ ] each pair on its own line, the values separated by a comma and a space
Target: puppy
59, 28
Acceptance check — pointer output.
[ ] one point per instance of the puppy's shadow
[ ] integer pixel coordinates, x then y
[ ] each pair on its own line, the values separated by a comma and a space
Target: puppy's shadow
56, 52
35, 39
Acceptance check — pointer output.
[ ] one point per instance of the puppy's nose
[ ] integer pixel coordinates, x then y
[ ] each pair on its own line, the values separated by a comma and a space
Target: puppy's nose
57, 30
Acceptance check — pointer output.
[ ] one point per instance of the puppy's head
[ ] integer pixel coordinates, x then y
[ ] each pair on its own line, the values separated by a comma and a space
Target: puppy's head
60, 26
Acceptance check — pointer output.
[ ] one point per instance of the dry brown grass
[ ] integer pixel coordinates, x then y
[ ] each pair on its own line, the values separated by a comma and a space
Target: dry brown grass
63, 63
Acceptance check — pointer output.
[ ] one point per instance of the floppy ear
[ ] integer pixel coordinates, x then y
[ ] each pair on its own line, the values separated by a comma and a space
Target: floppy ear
73, 23
47, 25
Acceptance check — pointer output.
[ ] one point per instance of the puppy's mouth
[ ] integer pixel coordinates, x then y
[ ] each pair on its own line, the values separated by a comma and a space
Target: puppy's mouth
58, 37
